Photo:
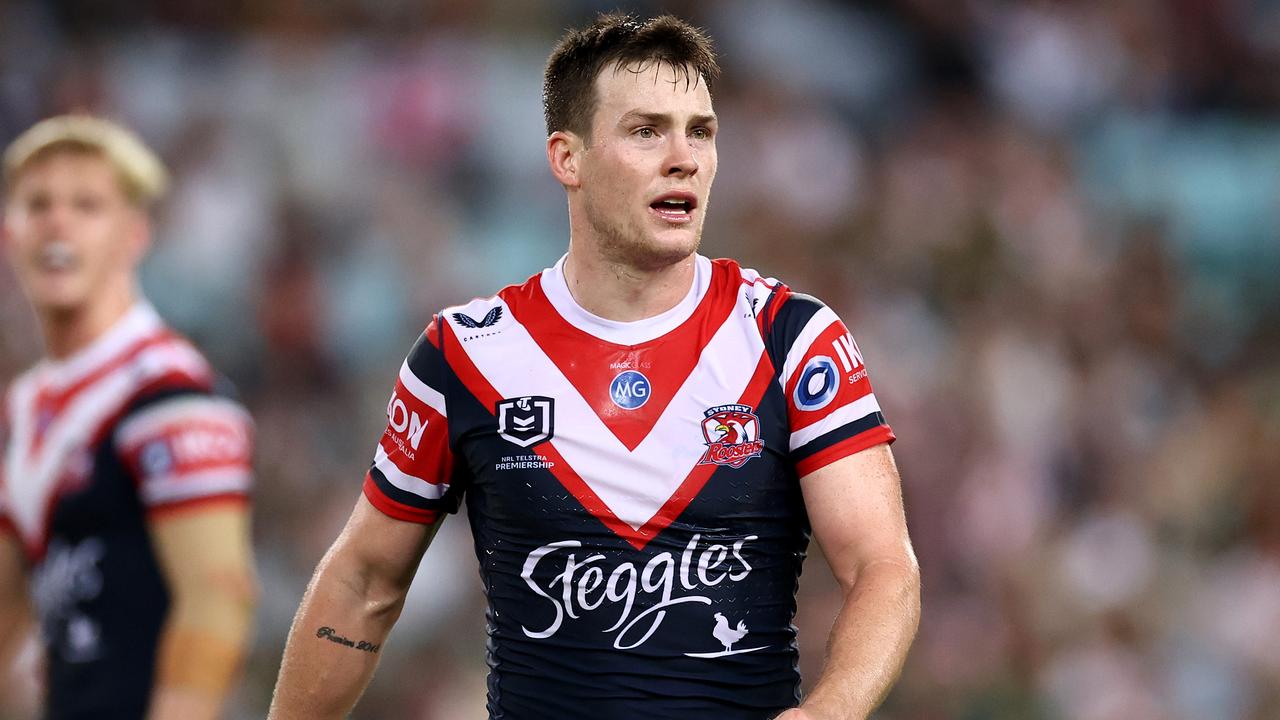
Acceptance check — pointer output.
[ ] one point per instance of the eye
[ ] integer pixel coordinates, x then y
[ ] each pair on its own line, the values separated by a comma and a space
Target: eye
645, 132
701, 133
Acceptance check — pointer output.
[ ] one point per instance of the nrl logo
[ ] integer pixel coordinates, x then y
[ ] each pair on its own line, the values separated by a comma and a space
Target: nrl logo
526, 421
732, 433
490, 319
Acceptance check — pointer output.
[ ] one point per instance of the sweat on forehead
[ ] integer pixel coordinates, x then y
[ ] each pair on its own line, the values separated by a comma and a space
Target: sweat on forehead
669, 72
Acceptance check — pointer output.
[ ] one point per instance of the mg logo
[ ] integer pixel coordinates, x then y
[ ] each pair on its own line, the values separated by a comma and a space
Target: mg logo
526, 421
629, 390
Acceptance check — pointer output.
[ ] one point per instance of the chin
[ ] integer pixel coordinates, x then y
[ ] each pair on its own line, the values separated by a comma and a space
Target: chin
648, 246
56, 301
655, 253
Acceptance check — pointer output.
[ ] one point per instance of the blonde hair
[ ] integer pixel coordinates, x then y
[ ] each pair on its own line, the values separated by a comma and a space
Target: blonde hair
142, 174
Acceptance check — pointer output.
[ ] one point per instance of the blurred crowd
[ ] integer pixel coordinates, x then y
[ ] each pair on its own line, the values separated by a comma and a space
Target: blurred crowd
1052, 226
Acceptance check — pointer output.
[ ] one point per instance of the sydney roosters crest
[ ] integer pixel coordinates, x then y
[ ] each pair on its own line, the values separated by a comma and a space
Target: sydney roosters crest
732, 433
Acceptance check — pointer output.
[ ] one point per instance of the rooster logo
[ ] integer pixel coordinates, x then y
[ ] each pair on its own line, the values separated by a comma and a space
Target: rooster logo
727, 635
732, 433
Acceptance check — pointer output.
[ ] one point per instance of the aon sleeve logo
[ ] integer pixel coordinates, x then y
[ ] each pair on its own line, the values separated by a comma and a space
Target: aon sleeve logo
404, 420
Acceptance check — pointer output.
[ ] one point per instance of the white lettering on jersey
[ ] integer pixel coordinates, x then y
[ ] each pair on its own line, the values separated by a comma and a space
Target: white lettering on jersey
847, 350
402, 419
71, 574
581, 585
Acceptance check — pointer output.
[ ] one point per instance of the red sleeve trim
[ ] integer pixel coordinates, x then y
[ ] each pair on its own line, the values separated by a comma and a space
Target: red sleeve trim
845, 448
396, 510
178, 507
7, 528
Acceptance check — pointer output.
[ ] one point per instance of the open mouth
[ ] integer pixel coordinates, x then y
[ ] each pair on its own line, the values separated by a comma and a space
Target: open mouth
676, 207
56, 257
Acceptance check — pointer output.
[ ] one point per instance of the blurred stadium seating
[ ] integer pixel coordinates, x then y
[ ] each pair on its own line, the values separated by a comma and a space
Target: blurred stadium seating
1052, 226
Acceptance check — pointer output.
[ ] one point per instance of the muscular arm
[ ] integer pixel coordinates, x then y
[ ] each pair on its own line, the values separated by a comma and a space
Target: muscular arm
207, 560
855, 508
355, 597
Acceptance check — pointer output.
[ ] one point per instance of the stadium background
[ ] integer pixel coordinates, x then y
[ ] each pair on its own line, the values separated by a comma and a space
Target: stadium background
1052, 227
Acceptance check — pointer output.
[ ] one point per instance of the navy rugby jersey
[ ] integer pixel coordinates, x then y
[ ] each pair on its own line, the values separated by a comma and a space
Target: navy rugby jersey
96, 444
632, 487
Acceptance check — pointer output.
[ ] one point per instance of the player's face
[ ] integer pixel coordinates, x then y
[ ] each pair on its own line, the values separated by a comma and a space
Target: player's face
646, 176
70, 232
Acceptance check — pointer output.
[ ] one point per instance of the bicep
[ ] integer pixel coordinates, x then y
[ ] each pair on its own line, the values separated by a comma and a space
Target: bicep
379, 548
205, 549
855, 509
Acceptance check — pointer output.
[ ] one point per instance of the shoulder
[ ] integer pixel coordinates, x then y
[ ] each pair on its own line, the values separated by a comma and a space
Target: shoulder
169, 360
780, 310
173, 379
486, 314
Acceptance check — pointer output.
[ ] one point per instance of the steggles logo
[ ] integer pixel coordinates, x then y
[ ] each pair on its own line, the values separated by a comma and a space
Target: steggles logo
583, 586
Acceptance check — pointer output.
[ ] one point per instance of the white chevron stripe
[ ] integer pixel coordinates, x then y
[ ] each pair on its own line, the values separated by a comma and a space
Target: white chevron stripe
634, 485
32, 478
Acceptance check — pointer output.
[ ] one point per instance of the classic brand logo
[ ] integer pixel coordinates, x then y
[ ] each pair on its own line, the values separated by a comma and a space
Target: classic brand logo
526, 421
641, 596
404, 422
490, 319
629, 390
818, 384
732, 433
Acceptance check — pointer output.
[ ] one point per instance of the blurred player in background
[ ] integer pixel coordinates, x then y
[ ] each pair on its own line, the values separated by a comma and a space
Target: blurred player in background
645, 439
124, 520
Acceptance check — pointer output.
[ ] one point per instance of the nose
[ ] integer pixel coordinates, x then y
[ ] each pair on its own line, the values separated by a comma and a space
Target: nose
680, 160
54, 219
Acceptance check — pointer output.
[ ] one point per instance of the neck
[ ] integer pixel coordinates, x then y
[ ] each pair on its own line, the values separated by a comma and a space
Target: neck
68, 330
623, 293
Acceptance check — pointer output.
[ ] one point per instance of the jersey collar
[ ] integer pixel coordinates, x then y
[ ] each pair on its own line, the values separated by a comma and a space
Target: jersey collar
139, 322
636, 332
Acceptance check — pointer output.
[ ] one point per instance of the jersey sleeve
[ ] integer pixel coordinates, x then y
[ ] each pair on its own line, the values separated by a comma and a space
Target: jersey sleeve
187, 449
831, 410
410, 478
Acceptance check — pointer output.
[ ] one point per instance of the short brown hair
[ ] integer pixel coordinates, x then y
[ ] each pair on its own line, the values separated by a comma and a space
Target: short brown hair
142, 175
568, 88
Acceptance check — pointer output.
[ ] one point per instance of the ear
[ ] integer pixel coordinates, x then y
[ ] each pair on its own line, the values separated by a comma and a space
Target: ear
564, 152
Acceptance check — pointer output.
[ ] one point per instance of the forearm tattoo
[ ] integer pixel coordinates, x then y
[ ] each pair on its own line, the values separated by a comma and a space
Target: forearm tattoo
332, 636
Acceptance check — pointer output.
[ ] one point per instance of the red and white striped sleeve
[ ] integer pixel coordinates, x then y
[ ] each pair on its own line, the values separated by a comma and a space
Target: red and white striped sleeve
410, 478
188, 449
831, 409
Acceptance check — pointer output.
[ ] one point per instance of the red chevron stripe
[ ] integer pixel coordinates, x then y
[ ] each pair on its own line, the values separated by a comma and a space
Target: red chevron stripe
590, 364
